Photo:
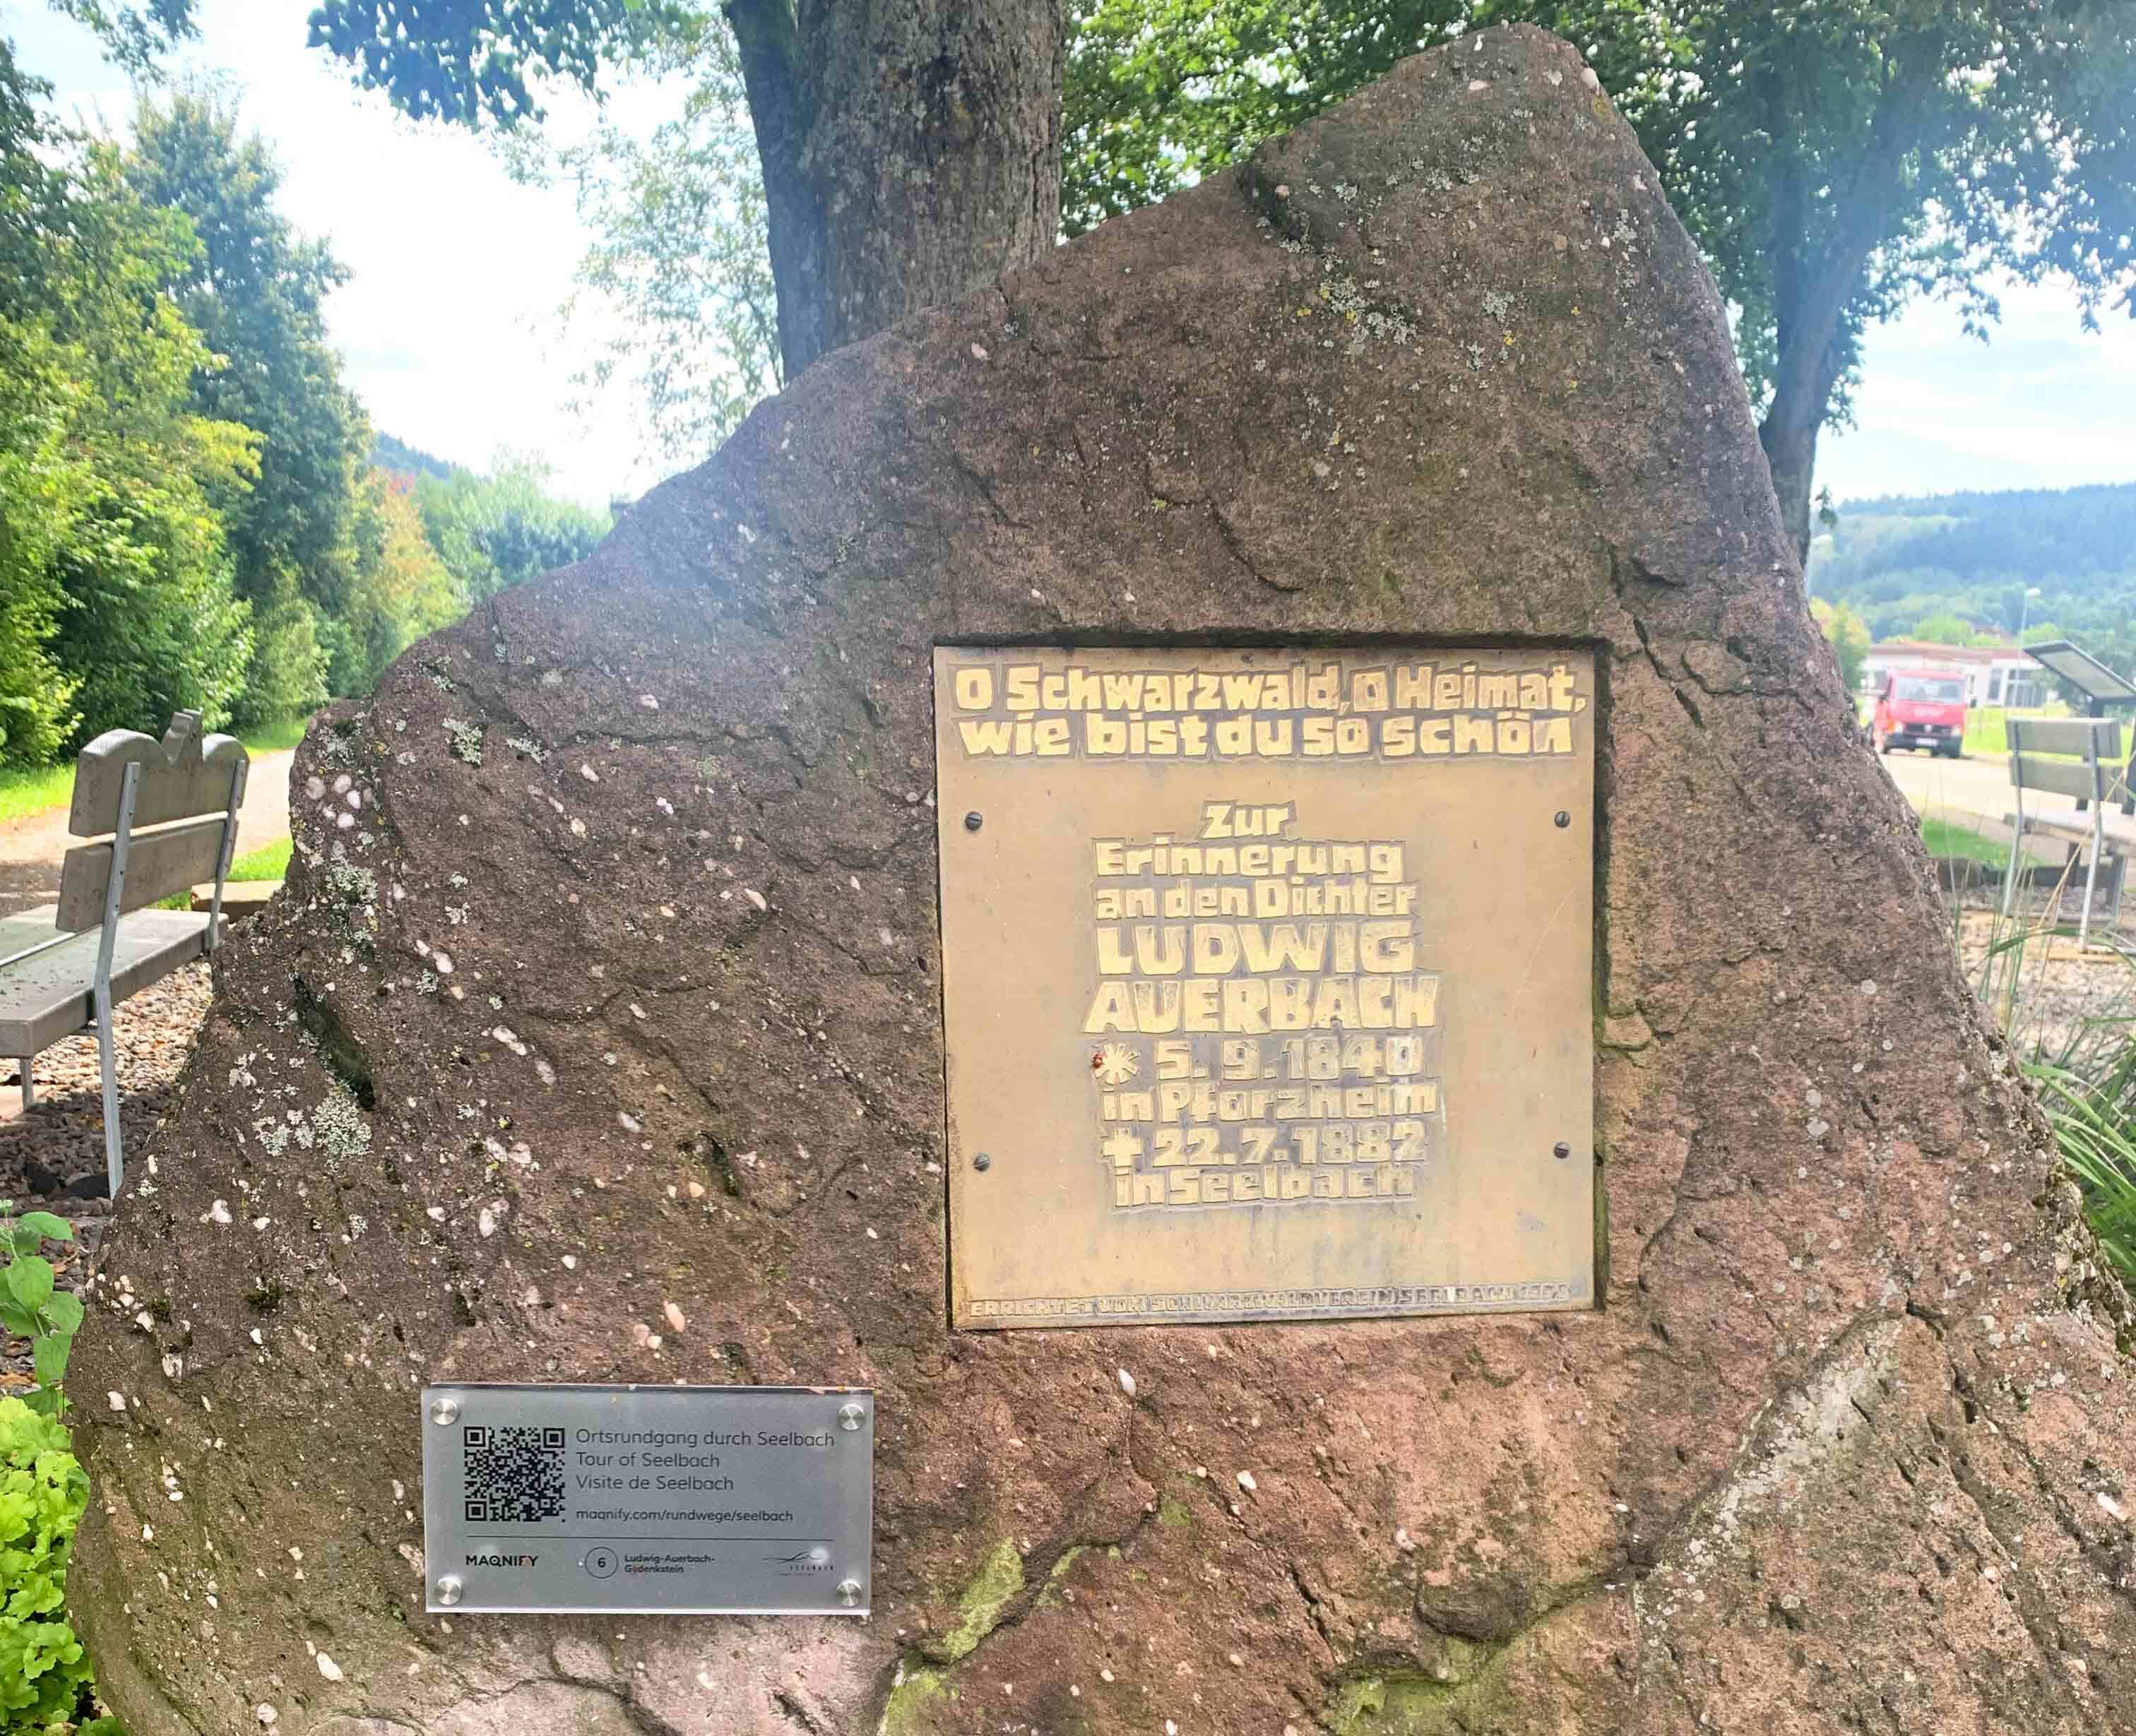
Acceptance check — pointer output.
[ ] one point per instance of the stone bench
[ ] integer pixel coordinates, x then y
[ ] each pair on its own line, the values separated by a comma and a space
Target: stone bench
165, 814
2077, 758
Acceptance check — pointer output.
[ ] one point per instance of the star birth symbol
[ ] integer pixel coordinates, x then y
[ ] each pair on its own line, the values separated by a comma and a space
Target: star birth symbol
1117, 1064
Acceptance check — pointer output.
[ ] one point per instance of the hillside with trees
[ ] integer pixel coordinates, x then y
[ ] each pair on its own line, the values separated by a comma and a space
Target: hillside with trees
1949, 566
194, 510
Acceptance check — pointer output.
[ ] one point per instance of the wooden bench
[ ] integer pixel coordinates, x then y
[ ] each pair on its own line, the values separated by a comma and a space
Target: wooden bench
166, 814
2076, 757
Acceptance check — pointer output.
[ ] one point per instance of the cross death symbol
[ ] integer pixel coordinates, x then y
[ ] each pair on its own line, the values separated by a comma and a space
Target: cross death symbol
1120, 1149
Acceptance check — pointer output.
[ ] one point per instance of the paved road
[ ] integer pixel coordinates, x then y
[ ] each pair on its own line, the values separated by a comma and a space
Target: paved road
30, 849
1979, 785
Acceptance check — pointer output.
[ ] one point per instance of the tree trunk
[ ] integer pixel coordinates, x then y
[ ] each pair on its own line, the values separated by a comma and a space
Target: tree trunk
1788, 435
910, 153
1821, 265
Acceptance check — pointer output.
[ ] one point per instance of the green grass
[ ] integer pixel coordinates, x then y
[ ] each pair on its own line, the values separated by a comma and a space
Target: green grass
1983, 729
269, 862
1944, 838
1984, 726
274, 738
23, 794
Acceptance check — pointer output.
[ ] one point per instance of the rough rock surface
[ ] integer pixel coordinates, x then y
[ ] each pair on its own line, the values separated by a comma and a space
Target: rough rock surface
599, 939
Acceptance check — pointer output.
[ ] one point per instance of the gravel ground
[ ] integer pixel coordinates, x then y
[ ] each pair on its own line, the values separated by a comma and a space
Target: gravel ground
25, 885
2059, 991
61, 1140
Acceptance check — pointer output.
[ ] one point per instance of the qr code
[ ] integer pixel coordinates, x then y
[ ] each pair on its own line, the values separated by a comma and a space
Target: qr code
513, 1476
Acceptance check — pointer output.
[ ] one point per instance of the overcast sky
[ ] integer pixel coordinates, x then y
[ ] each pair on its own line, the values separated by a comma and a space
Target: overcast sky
448, 329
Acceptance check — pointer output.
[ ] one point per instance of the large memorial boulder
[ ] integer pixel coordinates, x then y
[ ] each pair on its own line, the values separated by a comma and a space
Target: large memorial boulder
597, 1038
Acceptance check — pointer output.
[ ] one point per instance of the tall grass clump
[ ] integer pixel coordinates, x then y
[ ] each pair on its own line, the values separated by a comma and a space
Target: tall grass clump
2084, 1066
2095, 1132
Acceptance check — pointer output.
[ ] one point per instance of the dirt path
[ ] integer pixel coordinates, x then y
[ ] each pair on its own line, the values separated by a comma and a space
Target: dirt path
31, 848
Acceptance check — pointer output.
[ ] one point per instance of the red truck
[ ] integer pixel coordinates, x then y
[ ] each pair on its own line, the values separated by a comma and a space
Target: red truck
1921, 708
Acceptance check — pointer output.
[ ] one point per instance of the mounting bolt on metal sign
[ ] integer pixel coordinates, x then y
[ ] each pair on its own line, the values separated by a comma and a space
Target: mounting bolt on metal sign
445, 1412
851, 1416
1562, 1150
449, 1588
973, 821
849, 1590
1564, 819
983, 1162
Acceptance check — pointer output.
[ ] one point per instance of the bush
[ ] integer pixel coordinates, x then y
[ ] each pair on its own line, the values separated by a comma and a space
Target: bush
44, 1677
286, 676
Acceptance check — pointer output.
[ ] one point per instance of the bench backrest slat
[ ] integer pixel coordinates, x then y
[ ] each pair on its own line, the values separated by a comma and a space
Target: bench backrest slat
2088, 781
181, 776
158, 864
2096, 738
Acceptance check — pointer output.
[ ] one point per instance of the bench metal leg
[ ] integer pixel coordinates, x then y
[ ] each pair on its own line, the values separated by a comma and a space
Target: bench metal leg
114, 1159
2090, 882
29, 1084
2011, 873
2014, 870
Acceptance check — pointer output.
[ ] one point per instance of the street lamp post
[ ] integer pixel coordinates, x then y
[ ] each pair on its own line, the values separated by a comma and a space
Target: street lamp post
2024, 617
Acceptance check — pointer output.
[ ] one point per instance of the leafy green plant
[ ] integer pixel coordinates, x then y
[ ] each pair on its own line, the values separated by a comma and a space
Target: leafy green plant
44, 1677
31, 1308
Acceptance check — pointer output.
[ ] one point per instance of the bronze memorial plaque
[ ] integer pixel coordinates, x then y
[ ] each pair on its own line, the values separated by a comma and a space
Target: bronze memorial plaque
1267, 982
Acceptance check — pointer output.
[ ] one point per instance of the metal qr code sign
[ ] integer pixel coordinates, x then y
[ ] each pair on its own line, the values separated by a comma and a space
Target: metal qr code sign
664, 1500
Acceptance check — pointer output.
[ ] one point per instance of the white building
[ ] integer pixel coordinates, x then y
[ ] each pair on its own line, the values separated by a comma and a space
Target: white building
1995, 675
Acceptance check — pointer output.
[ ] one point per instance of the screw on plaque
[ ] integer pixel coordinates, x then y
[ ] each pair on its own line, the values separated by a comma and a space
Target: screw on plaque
1561, 1149
449, 1589
849, 1592
1564, 819
983, 1162
973, 821
851, 1416
445, 1412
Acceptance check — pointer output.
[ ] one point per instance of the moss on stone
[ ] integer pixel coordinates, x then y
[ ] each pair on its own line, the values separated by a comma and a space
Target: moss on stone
1051, 1595
1469, 1697
1391, 1706
999, 1579
1173, 1513
916, 1688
